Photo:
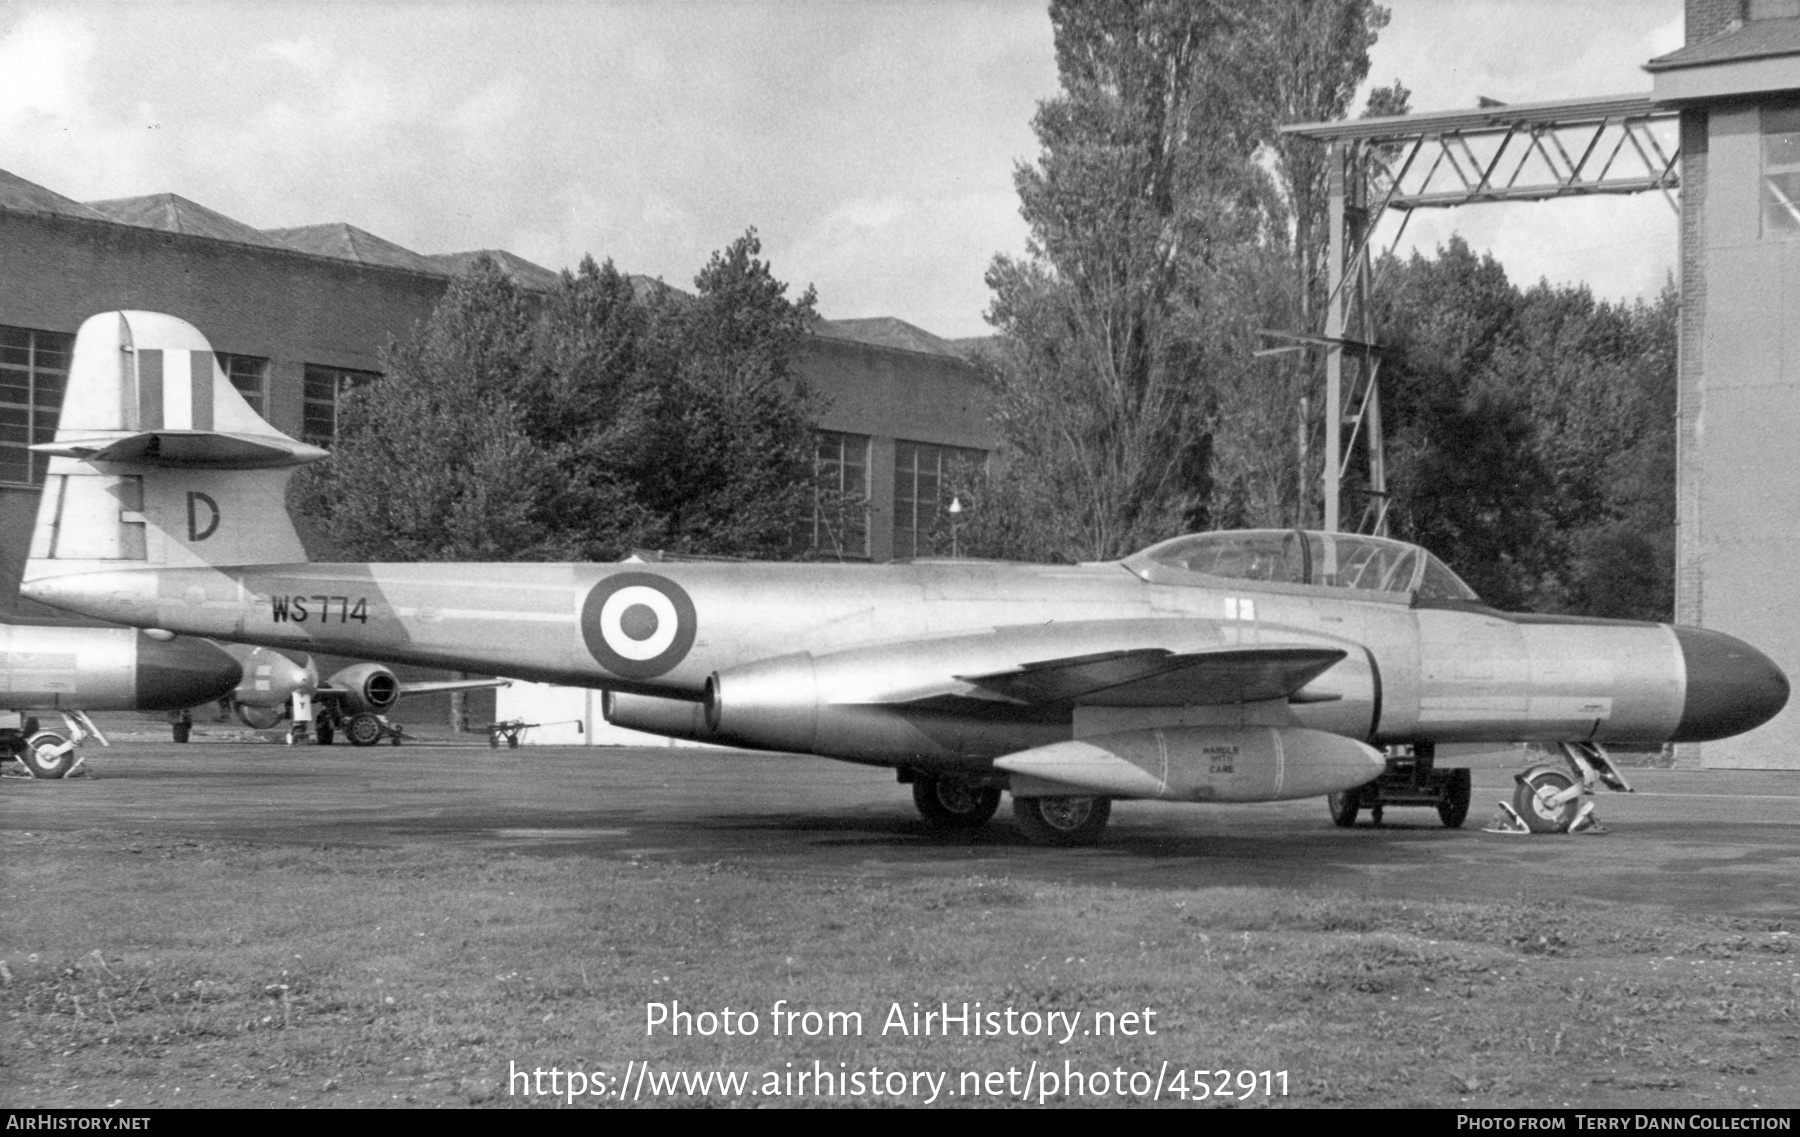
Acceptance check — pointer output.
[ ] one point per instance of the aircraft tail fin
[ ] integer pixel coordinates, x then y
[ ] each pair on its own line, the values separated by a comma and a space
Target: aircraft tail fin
158, 462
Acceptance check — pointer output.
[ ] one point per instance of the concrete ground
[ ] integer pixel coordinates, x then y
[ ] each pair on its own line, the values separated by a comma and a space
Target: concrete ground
1711, 842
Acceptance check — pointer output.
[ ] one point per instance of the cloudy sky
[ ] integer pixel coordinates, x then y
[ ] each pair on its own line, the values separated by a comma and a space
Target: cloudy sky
871, 144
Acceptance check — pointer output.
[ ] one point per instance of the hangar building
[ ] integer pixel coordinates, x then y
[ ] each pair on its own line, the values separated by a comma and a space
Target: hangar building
298, 313
1736, 83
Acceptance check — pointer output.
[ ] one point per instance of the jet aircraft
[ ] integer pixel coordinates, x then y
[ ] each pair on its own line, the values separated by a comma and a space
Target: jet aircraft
69, 671
355, 701
1220, 667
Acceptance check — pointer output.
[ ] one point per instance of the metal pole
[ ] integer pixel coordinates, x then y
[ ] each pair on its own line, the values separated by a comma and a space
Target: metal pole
1336, 299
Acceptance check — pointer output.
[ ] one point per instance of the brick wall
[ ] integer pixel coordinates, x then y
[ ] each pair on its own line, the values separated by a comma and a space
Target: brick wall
1707, 18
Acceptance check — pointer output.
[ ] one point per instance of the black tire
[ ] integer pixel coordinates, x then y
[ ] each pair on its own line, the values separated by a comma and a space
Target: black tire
1062, 821
181, 731
951, 803
48, 755
1459, 788
363, 729
323, 733
1539, 818
1344, 806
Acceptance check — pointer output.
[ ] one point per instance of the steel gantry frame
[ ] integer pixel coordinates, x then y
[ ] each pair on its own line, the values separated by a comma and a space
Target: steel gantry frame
1494, 153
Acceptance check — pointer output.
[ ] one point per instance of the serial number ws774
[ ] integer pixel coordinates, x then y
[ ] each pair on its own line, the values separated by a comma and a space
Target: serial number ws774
319, 609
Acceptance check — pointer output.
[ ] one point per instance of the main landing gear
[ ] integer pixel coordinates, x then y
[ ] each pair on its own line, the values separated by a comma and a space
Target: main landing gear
1547, 799
951, 802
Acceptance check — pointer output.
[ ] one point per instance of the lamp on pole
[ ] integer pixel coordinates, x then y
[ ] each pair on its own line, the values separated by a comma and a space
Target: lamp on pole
955, 512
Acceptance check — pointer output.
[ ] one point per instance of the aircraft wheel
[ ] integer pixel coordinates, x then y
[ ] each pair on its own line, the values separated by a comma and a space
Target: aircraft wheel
1062, 821
181, 730
1531, 799
1459, 787
951, 803
363, 729
49, 755
1344, 806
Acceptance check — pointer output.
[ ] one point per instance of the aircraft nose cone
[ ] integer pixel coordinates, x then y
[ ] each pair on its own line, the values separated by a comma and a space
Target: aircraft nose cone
182, 672
1731, 687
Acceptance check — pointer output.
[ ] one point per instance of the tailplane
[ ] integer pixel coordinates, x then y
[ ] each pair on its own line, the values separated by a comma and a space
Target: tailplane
158, 462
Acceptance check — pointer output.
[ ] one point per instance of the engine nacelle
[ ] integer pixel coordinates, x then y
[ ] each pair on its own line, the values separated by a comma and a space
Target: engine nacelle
1215, 763
367, 687
844, 706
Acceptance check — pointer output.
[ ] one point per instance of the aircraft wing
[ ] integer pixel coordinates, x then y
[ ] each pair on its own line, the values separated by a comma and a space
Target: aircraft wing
329, 691
1155, 677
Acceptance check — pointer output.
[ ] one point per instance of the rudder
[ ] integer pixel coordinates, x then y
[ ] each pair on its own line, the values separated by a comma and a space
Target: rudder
158, 462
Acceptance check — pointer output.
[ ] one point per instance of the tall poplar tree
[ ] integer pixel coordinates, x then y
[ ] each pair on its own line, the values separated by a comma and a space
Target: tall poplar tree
1141, 208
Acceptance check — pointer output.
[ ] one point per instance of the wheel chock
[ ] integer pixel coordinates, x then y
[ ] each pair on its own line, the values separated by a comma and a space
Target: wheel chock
1507, 820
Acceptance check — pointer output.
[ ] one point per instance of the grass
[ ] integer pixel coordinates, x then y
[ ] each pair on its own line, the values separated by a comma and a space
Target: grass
148, 972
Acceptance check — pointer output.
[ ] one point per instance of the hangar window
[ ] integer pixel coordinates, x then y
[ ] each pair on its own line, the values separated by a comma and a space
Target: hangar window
323, 390
250, 375
839, 525
1781, 172
34, 366
925, 480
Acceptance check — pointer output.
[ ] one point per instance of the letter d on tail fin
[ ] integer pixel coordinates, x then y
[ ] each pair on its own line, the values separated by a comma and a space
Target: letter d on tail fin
158, 462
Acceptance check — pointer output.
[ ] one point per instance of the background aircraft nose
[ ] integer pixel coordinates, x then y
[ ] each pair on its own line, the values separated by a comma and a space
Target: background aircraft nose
1731, 687
182, 672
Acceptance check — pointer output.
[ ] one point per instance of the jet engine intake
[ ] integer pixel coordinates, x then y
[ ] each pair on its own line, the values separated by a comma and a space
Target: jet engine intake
368, 688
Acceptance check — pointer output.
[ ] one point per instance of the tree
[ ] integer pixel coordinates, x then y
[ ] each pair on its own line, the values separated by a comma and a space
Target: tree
1141, 207
580, 425
432, 461
1531, 434
734, 468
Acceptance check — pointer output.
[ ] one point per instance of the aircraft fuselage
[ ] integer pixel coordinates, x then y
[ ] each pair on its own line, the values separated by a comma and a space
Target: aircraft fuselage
876, 642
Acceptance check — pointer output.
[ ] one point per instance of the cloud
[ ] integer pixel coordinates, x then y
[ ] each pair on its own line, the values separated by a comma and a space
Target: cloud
306, 53
43, 67
490, 108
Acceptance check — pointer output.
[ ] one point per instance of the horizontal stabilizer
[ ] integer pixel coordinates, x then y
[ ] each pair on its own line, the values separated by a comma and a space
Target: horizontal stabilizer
1154, 677
187, 449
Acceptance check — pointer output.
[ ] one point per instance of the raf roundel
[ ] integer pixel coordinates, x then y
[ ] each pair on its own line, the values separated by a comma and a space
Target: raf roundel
638, 625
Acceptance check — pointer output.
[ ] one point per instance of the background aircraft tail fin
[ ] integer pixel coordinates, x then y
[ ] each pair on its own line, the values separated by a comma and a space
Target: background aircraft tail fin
158, 462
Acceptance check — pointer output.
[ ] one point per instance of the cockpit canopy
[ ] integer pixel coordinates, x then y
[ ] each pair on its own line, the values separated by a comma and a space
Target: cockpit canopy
1298, 556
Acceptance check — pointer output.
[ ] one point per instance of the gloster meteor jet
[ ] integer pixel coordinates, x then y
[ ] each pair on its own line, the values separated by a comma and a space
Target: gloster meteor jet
1222, 667
68, 671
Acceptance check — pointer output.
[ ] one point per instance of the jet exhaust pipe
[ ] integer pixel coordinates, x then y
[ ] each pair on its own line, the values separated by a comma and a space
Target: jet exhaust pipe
1196, 764
672, 718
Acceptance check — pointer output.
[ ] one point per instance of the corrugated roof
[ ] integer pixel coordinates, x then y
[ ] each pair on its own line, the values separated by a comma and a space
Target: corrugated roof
523, 272
348, 243
1755, 39
887, 331
28, 197
175, 214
